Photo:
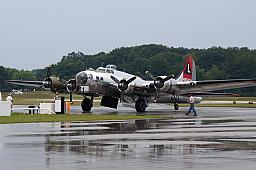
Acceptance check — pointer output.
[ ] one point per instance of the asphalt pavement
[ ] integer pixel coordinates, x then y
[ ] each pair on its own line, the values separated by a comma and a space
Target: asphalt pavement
218, 138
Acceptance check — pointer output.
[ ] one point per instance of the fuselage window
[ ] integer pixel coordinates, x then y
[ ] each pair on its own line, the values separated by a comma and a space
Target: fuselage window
101, 78
97, 77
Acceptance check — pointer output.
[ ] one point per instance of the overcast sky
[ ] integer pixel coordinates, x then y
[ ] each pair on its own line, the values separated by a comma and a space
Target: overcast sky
36, 33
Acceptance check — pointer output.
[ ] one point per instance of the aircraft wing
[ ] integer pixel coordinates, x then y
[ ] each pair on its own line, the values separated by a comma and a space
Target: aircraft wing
211, 94
213, 85
26, 83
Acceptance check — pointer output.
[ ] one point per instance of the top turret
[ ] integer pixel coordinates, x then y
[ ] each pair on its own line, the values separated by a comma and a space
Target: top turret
111, 66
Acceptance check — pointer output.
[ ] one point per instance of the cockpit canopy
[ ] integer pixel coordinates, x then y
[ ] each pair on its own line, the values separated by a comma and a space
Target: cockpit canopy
109, 69
111, 66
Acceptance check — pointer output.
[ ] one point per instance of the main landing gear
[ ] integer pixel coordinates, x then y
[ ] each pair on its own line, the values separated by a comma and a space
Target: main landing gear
176, 106
140, 105
87, 104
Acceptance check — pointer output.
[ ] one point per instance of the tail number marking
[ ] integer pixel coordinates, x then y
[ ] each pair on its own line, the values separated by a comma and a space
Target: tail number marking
175, 97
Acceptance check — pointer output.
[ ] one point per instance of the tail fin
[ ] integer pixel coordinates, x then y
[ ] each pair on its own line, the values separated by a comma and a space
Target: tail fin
189, 70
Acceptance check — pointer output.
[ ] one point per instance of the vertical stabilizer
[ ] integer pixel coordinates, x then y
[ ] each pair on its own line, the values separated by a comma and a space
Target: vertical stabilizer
189, 70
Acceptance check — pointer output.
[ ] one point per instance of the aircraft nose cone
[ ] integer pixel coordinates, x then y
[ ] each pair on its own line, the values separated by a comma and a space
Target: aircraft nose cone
81, 78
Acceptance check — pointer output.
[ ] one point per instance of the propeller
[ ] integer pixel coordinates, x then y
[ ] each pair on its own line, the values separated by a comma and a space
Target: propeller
158, 82
123, 84
47, 83
56, 85
71, 85
53, 82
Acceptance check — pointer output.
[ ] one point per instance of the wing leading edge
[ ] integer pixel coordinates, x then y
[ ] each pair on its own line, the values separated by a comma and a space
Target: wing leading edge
26, 83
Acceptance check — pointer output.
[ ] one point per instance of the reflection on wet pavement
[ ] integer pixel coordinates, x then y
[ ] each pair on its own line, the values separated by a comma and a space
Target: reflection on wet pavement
217, 139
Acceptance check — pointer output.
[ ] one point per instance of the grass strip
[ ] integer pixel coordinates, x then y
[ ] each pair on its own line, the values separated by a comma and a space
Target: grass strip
229, 99
238, 105
242, 105
21, 118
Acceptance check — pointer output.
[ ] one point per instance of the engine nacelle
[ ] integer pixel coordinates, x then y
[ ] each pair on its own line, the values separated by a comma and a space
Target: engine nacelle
129, 89
169, 86
54, 84
166, 86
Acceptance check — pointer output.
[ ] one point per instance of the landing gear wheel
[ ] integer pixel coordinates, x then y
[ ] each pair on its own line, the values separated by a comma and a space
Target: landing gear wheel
140, 105
86, 105
176, 106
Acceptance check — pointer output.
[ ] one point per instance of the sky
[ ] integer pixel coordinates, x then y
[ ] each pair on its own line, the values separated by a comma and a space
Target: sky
34, 34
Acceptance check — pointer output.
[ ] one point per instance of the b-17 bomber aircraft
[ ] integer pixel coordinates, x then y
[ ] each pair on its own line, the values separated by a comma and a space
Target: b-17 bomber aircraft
114, 85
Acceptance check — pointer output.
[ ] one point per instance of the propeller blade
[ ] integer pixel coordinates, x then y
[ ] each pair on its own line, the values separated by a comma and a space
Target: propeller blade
150, 75
168, 78
156, 94
48, 73
115, 79
70, 96
131, 80
47, 80
71, 86
121, 97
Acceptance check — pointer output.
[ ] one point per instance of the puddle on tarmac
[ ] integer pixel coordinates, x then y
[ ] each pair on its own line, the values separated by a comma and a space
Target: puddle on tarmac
198, 143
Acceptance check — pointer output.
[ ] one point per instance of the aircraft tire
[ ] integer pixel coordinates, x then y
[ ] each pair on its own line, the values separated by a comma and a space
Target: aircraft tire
140, 105
176, 106
86, 105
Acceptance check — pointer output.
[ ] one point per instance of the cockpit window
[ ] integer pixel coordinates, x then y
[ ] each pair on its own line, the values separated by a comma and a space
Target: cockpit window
101, 70
109, 71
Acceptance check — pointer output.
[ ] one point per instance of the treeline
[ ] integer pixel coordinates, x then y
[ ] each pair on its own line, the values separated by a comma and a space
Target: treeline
13, 74
212, 63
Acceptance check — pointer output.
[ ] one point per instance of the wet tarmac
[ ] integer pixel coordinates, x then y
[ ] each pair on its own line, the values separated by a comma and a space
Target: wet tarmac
218, 138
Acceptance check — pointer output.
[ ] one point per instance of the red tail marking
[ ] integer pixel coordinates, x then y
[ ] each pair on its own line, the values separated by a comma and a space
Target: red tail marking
188, 67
